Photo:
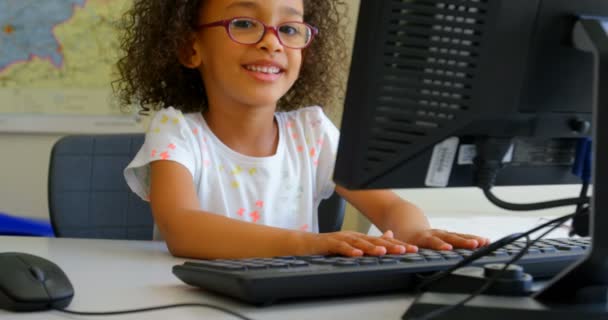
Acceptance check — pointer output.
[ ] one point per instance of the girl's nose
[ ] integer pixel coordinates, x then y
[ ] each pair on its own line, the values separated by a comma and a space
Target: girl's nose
270, 42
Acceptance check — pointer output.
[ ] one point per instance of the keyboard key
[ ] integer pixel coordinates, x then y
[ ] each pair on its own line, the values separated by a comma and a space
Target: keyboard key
549, 250
388, 261
277, 265
394, 256
569, 248
298, 263
452, 257
322, 261
413, 259
285, 258
434, 258
312, 257
368, 261
254, 266
499, 254
345, 264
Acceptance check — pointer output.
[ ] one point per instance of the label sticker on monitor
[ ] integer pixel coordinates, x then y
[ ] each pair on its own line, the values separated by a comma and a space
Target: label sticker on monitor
440, 166
467, 152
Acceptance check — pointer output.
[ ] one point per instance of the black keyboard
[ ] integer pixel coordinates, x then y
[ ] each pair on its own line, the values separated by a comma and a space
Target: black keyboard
266, 280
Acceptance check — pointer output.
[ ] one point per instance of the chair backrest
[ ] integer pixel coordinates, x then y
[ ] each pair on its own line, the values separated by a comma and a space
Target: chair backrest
331, 213
89, 198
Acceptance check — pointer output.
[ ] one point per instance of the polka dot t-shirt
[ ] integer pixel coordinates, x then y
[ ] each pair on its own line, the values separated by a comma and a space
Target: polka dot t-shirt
282, 190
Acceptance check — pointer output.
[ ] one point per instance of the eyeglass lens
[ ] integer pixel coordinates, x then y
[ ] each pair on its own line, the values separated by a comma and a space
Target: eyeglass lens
250, 31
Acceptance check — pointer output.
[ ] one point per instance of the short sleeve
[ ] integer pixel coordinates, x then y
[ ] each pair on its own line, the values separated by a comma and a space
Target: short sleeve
169, 138
328, 147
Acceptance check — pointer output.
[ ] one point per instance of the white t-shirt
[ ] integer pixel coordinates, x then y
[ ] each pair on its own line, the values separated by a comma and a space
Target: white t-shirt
283, 190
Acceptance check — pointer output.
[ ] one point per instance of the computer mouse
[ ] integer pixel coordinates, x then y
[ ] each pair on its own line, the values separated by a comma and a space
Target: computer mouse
31, 283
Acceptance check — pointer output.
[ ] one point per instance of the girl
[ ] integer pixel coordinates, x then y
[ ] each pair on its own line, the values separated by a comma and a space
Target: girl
232, 165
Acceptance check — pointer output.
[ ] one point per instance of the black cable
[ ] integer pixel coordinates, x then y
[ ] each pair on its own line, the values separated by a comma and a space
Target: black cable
170, 306
500, 243
584, 191
487, 165
534, 206
580, 223
442, 311
493, 246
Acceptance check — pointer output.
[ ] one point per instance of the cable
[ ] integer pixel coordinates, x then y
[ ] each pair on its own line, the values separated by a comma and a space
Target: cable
582, 168
500, 243
170, 306
534, 206
488, 163
580, 222
493, 246
437, 312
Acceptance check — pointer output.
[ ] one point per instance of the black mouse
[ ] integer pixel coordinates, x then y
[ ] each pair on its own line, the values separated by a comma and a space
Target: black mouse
31, 283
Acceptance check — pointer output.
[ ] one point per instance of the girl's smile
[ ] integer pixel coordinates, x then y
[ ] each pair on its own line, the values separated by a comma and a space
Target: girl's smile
264, 70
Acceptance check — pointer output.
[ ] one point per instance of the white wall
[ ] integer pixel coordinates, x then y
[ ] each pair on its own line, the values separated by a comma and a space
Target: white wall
23, 173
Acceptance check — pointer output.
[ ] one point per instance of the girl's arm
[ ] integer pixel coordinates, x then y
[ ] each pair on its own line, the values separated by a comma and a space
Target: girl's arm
193, 233
389, 212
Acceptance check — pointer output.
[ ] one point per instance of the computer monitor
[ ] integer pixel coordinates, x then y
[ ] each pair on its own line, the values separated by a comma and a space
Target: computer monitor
426, 72
432, 81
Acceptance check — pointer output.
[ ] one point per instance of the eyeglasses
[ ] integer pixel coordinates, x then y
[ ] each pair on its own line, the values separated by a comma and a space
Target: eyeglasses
245, 30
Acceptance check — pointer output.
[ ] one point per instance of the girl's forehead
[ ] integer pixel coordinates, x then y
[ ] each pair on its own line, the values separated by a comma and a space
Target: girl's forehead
282, 7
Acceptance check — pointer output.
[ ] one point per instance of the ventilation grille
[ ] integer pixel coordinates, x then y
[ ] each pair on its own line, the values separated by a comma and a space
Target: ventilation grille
430, 57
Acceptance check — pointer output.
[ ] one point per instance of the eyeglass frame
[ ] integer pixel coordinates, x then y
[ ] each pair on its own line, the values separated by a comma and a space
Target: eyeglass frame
226, 24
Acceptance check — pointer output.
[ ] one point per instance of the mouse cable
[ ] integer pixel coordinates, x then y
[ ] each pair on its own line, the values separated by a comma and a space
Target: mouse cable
148, 309
442, 311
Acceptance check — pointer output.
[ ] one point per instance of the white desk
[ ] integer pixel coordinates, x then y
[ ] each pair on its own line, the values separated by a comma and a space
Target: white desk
493, 226
113, 275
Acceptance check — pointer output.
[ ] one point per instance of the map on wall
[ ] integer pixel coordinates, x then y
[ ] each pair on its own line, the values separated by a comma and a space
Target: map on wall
57, 59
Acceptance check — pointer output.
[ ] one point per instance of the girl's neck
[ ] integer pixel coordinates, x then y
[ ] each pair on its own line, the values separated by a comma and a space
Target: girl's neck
249, 131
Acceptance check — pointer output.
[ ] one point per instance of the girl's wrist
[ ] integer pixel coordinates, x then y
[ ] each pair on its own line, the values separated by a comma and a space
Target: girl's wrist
303, 243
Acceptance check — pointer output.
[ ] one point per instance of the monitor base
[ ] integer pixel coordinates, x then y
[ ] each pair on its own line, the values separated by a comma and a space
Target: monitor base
502, 308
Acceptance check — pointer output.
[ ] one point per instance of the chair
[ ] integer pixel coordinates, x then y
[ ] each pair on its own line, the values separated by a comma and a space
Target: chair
331, 213
89, 198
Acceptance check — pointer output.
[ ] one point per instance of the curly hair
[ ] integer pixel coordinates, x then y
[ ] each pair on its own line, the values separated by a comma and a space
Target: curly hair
151, 76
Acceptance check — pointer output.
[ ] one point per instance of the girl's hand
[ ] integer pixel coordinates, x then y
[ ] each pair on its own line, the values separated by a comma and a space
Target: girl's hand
354, 244
444, 240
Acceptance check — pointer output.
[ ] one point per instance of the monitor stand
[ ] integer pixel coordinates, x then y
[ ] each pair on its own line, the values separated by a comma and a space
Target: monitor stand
581, 291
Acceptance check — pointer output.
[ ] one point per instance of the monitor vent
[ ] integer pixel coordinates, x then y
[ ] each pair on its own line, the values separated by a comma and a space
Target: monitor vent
430, 56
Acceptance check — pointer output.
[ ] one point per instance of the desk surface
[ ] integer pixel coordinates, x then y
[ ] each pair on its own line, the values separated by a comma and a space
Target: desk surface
113, 275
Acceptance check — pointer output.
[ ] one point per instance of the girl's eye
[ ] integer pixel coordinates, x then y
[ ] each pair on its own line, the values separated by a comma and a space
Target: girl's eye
289, 30
243, 24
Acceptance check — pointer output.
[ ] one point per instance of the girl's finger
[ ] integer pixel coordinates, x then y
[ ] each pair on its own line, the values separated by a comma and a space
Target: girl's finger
344, 248
388, 234
482, 241
391, 247
366, 246
394, 246
458, 241
435, 243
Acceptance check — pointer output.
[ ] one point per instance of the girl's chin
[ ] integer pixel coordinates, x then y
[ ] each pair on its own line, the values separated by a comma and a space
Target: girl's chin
262, 97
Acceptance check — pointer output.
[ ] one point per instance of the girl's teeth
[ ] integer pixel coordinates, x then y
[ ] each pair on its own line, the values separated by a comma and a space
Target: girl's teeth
273, 70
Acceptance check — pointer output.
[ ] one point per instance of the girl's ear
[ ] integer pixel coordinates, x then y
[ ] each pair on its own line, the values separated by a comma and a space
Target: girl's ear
190, 55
